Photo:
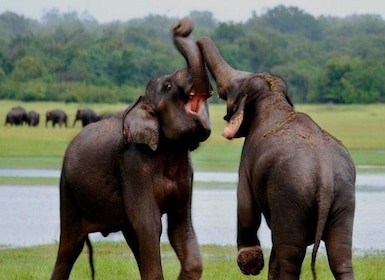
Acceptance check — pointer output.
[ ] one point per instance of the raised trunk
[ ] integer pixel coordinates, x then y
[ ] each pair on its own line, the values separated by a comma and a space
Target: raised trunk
193, 56
221, 71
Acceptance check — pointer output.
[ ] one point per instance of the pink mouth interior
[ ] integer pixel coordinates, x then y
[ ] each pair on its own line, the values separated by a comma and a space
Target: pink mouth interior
195, 100
195, 103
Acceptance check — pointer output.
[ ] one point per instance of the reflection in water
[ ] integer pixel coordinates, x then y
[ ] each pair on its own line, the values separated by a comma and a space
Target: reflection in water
29, 215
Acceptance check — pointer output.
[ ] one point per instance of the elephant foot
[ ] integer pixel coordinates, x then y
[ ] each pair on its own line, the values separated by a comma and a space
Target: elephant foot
250, 260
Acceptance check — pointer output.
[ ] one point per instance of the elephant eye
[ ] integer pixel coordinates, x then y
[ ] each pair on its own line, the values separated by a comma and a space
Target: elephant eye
168, 87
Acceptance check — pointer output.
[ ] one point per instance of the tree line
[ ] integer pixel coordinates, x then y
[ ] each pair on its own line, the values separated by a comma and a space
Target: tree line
74, 58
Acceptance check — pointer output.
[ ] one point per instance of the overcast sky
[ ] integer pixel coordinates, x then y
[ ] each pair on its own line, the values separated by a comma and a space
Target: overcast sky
233, 10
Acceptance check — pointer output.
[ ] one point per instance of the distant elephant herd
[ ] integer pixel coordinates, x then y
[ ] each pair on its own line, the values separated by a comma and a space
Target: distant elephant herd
18, 116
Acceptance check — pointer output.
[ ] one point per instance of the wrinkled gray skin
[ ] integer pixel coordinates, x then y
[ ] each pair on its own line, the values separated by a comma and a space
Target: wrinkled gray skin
86, 116
33, 118
293, 172
17, 116
127, 170
56, 117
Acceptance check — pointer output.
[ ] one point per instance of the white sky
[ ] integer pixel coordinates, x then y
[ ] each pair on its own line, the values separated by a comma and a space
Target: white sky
233, 10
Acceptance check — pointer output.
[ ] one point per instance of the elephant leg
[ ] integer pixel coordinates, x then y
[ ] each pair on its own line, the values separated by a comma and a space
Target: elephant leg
149, 260
250, 256
132, 242
183, 240
145, 220
289, 237
273, 265
70, 247
72, 234
286, 262
338, 241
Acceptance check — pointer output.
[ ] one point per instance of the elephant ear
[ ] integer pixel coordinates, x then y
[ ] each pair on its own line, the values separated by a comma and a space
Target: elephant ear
236, 120
140, 125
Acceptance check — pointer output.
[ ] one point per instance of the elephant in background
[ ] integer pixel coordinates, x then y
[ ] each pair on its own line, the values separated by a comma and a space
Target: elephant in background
33, 118
56, 117
127, 170
17, 116
86, 116
293, 172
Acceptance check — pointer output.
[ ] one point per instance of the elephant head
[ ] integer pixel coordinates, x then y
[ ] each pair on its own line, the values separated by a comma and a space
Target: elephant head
239, 88
78, 116
48, 117
174, 108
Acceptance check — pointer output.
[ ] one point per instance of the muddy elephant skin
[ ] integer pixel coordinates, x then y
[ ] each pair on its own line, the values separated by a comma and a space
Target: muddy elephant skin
292, 171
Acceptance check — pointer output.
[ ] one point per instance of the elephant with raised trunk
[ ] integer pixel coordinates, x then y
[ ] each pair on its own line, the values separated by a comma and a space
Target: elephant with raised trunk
127, 170
293, 172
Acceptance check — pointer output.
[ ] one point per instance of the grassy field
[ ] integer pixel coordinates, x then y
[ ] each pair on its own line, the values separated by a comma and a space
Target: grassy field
360, 127
114, 260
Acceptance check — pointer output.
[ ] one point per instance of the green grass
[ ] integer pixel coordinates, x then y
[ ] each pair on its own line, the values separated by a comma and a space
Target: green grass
114, 260
360, 127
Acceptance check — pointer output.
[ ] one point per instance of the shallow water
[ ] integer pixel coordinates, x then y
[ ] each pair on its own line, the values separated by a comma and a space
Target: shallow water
29, 215
370, 179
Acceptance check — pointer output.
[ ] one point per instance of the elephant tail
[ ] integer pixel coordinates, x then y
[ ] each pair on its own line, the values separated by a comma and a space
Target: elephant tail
324, 204
91, 253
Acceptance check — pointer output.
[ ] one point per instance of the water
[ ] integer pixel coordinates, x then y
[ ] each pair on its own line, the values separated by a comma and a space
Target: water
376, 180
29, 215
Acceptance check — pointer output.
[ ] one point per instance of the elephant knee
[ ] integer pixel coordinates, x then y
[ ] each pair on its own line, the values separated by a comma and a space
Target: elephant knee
250, 260
341, 267
192, 269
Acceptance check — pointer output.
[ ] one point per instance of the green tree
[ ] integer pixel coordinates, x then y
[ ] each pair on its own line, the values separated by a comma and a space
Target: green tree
299, 77
28, 68
293, 20
332, 85
71, 57
228, 32
361, 84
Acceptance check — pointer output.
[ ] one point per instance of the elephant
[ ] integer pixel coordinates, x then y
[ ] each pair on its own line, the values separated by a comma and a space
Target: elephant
127, 170
293, 172
87, 116
17, 116
33, 118
57, 117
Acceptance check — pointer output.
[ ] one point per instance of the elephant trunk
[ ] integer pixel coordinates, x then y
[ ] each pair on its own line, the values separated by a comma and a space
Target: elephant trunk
221, 71
196, 67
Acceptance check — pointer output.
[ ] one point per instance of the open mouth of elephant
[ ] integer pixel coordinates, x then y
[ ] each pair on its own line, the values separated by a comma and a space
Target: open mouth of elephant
196, 100
196, 106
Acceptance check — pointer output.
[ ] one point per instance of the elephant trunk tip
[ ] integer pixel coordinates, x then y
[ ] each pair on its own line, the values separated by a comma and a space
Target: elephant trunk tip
183, 27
